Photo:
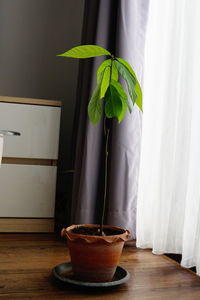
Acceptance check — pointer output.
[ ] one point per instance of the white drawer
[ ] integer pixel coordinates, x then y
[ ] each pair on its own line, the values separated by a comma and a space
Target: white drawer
39, 128
27, 191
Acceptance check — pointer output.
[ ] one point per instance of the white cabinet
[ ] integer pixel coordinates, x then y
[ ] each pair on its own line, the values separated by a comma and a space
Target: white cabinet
27, 191
28, 171
39, 128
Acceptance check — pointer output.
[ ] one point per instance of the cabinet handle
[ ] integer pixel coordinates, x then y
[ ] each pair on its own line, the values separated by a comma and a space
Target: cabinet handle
9, 132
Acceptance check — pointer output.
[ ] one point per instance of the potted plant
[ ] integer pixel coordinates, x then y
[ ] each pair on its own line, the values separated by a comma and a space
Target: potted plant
95, 250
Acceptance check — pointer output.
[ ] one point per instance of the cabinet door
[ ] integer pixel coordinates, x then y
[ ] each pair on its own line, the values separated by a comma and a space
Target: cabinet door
39, 128
27, 191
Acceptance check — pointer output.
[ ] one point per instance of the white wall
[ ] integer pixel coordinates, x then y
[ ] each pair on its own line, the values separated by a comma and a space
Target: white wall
32, 32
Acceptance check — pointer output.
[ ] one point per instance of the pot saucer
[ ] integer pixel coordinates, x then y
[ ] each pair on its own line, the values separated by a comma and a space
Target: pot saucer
63, 273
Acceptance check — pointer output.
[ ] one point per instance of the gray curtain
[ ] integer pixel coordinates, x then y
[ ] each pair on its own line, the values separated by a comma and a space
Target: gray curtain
120, 27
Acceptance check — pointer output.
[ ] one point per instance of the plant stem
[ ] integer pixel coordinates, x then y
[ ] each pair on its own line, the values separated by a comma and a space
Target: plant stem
107, 132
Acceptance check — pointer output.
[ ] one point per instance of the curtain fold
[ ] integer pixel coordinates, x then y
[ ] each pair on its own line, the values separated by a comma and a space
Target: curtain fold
168, 216
89, 139
126, 140
120, 27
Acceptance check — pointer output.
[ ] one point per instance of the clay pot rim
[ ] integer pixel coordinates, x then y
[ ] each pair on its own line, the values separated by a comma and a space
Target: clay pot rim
124, 236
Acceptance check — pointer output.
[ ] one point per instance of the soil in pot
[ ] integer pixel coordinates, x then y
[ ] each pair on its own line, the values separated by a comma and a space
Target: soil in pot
96, 231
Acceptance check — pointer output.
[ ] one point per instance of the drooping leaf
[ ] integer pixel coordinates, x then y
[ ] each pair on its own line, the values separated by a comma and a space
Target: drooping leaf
128, 66
114, 75
113, 103
128, 105
120, 89
129, 80
138, 90
85, 51
105, 64
123, 112
105, 82
102, 67
123, 96
134, 95
139, 95
95, 106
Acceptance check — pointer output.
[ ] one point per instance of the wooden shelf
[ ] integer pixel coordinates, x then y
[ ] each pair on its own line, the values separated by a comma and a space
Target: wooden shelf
33, 101
29, 161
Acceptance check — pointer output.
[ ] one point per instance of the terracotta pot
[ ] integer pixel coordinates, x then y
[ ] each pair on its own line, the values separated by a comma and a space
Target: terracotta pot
95, 258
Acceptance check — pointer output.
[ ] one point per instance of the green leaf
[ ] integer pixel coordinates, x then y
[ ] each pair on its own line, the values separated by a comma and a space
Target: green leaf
128, 105
85, 51
113, 103
119, 89
105, 81
114, 75
105, 64
123, 112
128, 66
139, 95
95, 106
129, 80
123, 96
102, 67
138, 90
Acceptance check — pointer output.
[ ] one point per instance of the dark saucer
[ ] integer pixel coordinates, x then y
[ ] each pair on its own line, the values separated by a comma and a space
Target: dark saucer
64, 274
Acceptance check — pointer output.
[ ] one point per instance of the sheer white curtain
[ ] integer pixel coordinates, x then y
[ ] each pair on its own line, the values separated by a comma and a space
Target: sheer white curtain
168, 215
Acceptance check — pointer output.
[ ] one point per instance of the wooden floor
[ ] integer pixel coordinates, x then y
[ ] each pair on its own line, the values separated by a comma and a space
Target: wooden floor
26, 262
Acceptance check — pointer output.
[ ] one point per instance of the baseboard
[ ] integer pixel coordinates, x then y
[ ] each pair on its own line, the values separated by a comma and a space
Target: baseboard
177, 258
26, 225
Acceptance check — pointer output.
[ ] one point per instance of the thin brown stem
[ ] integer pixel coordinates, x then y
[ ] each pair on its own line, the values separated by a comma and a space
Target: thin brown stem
107, 132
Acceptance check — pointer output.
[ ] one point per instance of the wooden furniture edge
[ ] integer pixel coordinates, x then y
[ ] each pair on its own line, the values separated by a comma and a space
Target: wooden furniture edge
20, 225
34, 101
29, 161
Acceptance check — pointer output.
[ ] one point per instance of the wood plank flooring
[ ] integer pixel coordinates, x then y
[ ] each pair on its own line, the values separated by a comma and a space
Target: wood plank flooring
26, 262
